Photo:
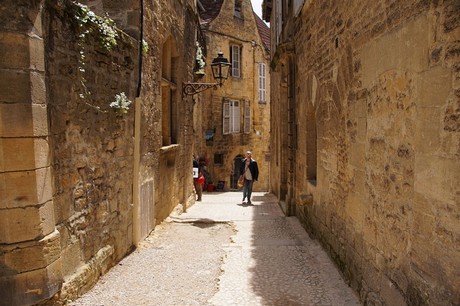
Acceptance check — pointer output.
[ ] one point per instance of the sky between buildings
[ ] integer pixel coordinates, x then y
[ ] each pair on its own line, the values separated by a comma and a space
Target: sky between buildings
257, 7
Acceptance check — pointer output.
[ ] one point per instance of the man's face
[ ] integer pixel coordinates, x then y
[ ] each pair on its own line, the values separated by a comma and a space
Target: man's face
248, 155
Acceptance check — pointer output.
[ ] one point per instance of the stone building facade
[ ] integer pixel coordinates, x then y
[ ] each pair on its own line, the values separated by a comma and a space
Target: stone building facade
365, 141
79, 180
235, 117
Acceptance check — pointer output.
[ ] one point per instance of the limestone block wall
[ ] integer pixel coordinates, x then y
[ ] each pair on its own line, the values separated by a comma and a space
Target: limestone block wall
169, 167
29, 241
68, 160
126, 14
383, 81
92, 147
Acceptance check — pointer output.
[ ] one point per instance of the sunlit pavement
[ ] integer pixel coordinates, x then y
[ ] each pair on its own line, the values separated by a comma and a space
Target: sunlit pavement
223, 252
270, 260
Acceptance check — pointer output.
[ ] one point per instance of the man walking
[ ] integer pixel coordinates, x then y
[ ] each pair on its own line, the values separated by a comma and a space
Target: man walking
250, 172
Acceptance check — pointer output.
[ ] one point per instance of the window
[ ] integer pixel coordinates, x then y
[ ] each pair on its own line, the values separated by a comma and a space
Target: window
238, 8
218, 159
235, 56
247, 117
231, 117
312, 153
169, 120
262, 83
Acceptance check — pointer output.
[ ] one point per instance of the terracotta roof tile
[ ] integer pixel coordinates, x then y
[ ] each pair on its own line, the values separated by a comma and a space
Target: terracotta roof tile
264, 32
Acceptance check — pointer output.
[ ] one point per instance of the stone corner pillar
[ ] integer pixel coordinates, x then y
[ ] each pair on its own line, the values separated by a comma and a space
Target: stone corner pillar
30, 268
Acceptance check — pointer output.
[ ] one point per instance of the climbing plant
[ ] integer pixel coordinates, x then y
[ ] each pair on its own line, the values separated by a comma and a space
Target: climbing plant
121, 103
89, 21
145, 47
199, 60
105, 27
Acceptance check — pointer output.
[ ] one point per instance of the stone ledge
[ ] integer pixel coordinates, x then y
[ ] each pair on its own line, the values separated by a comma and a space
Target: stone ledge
29, 256
170, 148
86, 276
25, 224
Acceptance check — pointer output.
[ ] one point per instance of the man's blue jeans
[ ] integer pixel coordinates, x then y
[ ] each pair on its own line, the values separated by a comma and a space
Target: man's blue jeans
247, 189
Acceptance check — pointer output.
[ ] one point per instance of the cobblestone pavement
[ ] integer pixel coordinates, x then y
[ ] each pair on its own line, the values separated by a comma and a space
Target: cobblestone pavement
223, 252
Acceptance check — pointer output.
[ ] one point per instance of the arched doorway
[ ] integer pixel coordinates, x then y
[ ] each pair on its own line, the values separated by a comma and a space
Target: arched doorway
237, 162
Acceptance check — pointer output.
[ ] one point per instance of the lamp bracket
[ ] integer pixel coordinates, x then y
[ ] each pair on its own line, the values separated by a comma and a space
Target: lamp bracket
189, 89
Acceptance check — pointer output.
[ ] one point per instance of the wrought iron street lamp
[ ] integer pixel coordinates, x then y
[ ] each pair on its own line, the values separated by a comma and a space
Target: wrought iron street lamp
220, 70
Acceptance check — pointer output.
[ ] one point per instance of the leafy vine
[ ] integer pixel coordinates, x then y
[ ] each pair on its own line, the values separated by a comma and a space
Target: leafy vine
200, 60
88, 22
145, 47
121, 103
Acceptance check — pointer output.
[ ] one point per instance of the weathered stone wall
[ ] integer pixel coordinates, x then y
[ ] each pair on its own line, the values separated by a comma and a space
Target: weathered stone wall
169, 167
126, 14
92, 146
226, 29
383, 80
79, 179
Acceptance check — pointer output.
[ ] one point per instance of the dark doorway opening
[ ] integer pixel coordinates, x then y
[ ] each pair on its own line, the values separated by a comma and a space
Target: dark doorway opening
237, 162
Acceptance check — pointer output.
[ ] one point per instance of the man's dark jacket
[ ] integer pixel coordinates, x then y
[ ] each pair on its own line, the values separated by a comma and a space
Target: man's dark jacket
252, 167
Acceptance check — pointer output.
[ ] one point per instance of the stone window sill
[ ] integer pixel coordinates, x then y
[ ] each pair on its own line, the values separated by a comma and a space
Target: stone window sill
170, 148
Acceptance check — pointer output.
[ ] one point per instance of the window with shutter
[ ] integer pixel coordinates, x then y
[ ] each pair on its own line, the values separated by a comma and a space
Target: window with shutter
231, 117
226, 117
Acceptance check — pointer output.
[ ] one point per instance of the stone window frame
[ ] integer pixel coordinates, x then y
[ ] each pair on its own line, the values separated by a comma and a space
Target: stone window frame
169, 95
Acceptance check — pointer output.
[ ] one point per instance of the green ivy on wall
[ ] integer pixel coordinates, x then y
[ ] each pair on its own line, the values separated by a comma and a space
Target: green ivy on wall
88, 22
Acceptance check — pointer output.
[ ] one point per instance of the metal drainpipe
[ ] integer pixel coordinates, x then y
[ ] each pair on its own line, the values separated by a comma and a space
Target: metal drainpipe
141, 39
137, 223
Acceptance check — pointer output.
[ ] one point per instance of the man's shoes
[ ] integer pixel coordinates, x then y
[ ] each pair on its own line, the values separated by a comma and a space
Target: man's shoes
249, 202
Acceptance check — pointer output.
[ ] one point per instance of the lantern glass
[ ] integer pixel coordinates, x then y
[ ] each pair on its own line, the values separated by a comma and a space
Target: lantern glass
220, 68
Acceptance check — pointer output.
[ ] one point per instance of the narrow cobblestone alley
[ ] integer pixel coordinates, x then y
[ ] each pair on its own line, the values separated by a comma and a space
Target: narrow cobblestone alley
223, 252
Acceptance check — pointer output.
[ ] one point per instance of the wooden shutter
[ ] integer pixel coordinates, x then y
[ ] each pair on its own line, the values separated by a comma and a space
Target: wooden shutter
247, 117
235, 117
226, 117
262, 82
235, 55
